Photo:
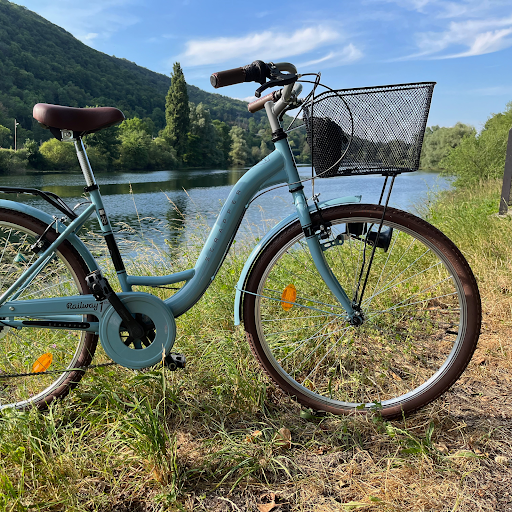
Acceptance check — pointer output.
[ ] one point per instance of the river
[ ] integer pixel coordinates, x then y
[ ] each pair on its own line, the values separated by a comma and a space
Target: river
177, 204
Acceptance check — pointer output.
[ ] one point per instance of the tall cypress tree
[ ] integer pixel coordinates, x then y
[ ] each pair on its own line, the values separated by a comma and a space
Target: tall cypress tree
177, 112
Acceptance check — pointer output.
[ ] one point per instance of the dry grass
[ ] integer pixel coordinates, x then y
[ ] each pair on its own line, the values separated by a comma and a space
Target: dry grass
214, 437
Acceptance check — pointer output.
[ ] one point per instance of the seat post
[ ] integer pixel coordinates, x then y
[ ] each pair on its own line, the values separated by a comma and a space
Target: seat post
84, 162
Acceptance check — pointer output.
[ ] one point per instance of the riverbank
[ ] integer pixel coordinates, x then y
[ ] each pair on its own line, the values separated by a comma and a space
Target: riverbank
218, 437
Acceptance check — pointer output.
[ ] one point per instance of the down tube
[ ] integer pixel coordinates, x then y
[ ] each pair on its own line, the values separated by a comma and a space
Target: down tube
262, 175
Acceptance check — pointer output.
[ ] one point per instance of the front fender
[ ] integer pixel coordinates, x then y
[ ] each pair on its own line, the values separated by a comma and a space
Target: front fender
48, 219
266, 239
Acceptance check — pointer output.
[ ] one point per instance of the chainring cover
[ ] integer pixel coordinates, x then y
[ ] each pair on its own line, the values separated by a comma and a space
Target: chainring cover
156, 313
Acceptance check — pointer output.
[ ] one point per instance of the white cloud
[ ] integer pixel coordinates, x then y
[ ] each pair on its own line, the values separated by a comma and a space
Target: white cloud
449, 8
465, 39
90, 36
498, 90
478, 36
488, 42
411, 5
266, 45
347, 55
454, 10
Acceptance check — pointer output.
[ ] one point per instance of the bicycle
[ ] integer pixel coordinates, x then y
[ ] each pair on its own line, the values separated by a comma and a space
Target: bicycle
348, 307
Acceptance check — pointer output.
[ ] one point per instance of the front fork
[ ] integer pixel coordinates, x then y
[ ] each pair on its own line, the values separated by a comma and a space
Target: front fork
299, 199
313, 241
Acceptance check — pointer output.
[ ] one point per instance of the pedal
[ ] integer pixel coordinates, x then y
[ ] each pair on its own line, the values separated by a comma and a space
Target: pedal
101, 290
175, 361
98, 285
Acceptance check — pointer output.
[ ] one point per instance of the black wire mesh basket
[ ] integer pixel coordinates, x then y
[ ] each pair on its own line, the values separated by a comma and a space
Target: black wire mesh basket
370, 130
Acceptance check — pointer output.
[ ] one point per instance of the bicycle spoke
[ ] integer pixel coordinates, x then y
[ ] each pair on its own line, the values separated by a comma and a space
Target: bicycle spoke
323, 358
382, 290
38, 364
369, 299
411, 304
408, 325
305, 299
303, 342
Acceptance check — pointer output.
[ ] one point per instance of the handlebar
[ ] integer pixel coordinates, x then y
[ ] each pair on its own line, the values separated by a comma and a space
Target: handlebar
258, 71
260, 103
278, 97
280, 74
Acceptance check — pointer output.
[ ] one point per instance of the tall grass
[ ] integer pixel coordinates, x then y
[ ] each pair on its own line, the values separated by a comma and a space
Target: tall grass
469, 217
219, 436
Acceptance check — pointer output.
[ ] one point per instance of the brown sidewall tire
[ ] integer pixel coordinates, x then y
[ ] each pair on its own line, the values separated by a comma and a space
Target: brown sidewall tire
76, 262
413, 223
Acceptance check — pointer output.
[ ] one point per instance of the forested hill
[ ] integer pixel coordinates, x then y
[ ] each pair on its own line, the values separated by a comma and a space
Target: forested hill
41, 62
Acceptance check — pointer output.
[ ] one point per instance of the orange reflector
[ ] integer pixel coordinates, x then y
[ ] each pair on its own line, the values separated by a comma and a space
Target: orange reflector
43, 363
289, 295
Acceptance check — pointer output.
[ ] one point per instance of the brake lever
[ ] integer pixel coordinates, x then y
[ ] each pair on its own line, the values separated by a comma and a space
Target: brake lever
275, 83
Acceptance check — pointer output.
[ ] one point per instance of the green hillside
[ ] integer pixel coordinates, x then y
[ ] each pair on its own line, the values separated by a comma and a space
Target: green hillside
41, 62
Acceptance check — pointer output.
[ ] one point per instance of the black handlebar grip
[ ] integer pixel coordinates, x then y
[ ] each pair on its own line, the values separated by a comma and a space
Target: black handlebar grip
258, 71
255, 72
229, 77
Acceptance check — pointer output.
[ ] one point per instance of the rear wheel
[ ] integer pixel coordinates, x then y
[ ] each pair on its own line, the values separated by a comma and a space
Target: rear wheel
38, 365
420, 313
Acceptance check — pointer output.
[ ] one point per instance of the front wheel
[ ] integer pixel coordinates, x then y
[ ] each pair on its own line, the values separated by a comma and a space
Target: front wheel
420, 313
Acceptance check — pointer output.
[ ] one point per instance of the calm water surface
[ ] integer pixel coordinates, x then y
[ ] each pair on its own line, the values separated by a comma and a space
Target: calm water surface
175, 205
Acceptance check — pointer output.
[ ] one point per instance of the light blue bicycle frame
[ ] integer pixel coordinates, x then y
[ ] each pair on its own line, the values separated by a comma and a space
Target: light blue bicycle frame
277, 168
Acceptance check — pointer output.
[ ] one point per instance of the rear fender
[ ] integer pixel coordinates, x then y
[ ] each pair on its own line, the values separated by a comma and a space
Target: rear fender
48, 219
266, 240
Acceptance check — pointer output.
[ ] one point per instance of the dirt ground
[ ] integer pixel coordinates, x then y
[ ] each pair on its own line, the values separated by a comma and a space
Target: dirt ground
454, 455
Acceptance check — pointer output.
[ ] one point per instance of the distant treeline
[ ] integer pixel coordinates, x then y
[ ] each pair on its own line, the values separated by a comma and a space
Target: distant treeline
470, 156
189, 137
42, 63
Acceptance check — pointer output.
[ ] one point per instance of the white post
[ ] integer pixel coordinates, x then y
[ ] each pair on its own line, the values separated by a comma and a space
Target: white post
15, 124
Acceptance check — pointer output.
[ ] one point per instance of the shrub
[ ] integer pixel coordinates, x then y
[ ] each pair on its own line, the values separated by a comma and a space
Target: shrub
59, 155
481, 156
12, 161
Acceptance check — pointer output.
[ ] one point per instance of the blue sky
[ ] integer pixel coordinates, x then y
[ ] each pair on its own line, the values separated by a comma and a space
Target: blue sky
463, 45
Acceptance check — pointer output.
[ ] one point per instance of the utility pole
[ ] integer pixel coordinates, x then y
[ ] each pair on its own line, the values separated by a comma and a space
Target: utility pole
15, 125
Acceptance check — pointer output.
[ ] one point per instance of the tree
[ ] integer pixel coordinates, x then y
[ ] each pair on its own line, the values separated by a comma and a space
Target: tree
12, 161
34, 157
177, 113
162, 155
136, 124
438, 142
481, 156
135, 145
59, 155
158, 117
203, 140
5, 137
106, 144
239, 149
223, 139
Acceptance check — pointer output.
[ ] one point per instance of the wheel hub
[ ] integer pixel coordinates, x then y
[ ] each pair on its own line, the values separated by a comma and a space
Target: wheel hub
358, 319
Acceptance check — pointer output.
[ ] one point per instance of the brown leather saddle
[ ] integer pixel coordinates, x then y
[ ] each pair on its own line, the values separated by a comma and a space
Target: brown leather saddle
80, 121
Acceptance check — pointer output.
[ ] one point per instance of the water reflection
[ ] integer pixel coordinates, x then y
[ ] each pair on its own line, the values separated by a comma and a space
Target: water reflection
175, 204
116, 183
